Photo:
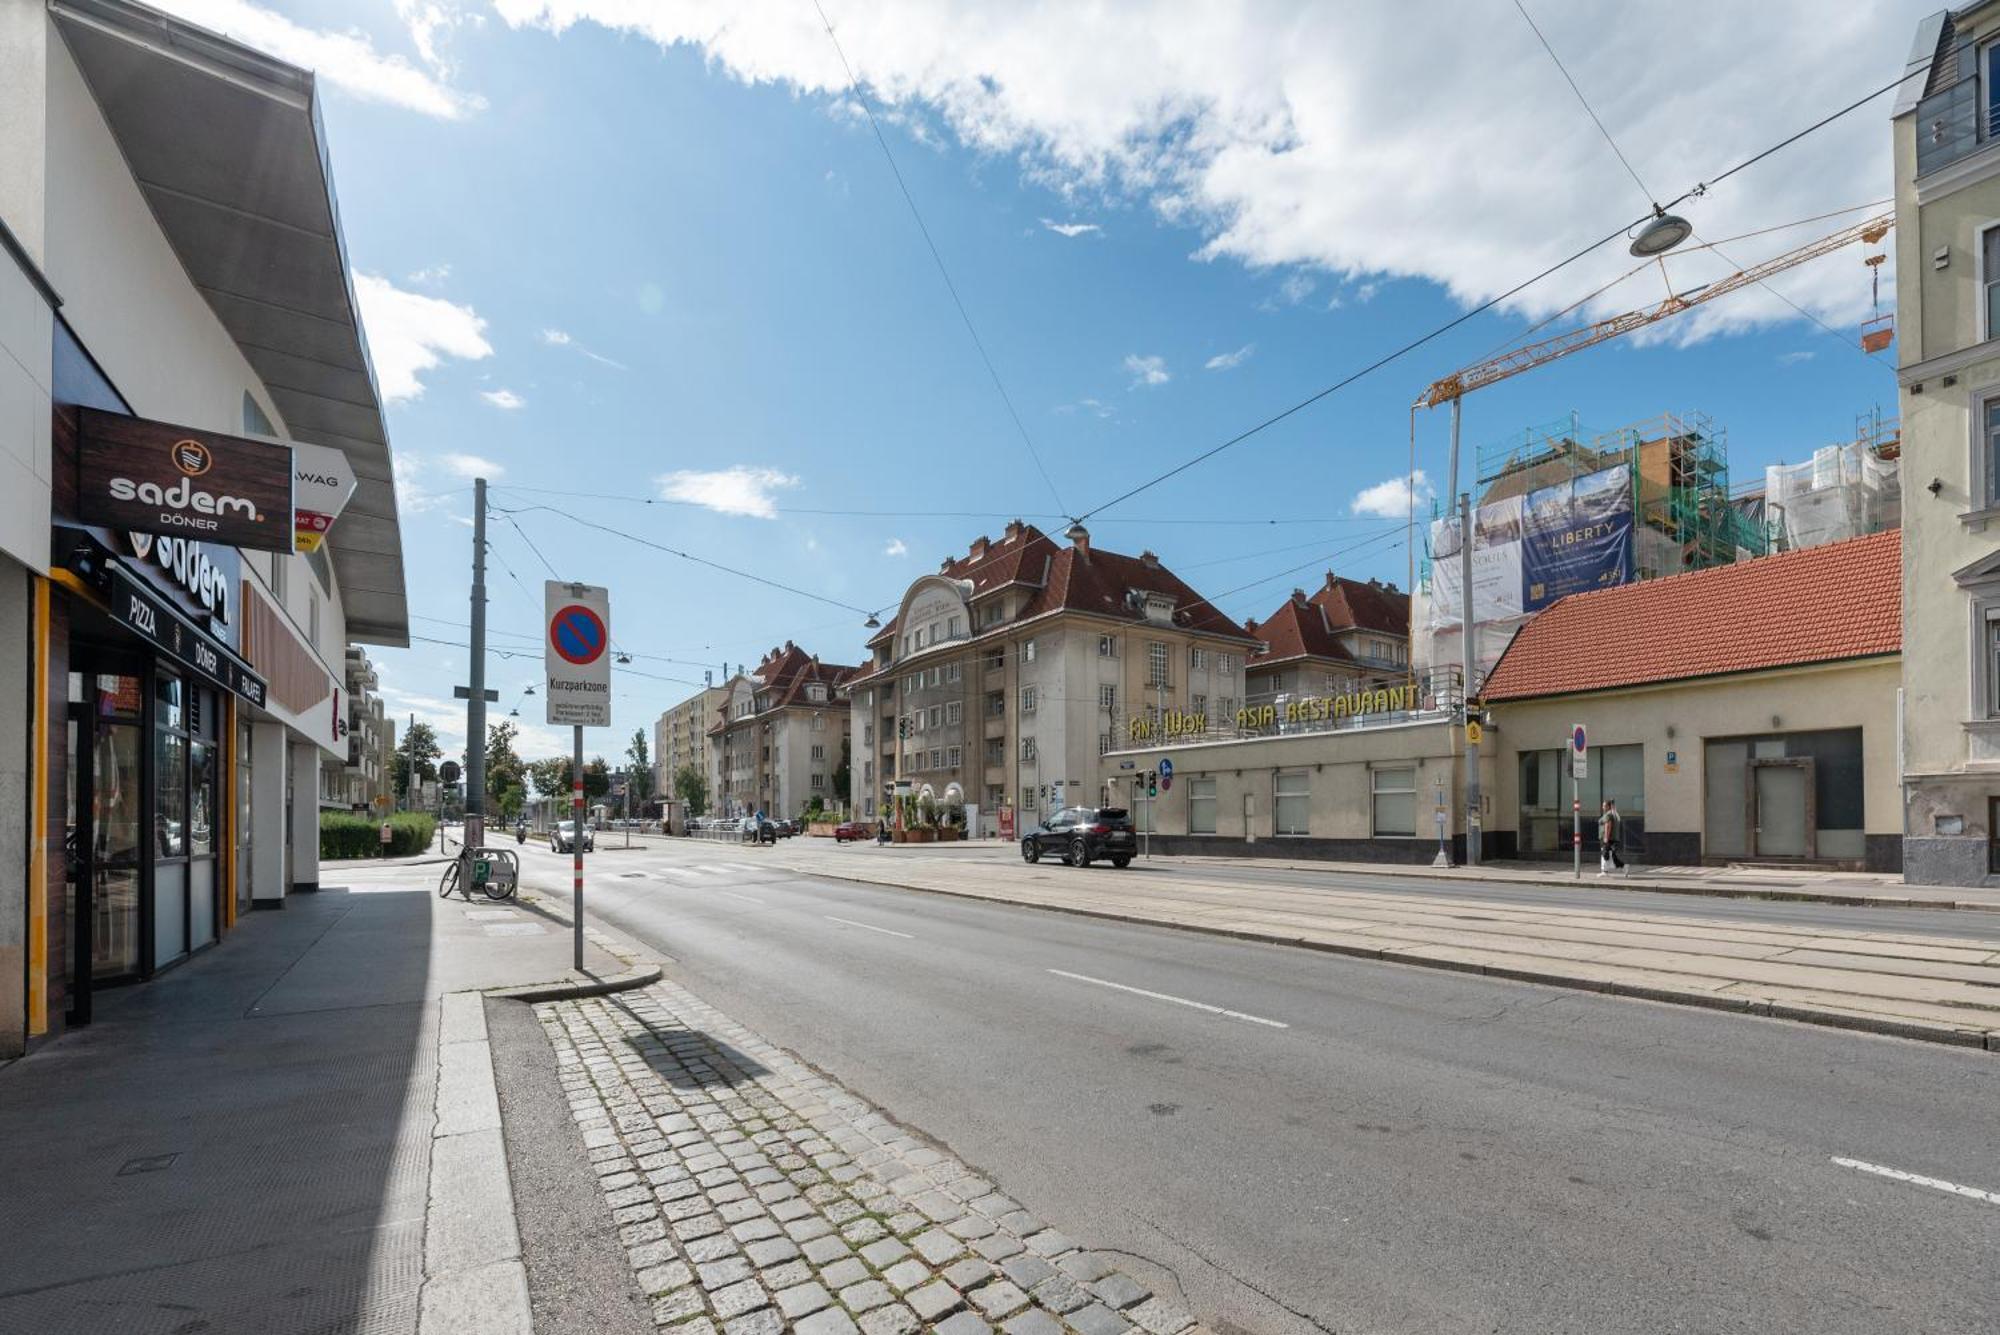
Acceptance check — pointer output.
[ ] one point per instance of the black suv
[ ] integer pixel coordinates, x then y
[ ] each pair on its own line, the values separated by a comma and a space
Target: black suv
1079, 835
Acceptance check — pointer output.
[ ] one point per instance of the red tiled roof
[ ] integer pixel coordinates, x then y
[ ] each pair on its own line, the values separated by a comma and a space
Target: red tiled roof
1843, 600
1305, 627
1369, 606
1021, 555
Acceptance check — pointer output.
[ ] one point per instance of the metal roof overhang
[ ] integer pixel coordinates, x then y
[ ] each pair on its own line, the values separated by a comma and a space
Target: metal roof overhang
227, 146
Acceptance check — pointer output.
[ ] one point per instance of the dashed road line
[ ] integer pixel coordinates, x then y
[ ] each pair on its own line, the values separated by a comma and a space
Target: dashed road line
1178, 1001
867, 927
745, 898
1918, 1179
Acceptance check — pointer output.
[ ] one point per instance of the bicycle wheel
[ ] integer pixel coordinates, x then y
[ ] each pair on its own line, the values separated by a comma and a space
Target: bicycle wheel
449, 881
495, 888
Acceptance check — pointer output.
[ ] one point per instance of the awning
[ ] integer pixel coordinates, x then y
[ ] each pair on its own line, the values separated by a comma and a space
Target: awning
227, 146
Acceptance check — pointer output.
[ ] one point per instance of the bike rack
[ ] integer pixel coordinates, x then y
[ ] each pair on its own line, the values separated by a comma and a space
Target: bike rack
492, 866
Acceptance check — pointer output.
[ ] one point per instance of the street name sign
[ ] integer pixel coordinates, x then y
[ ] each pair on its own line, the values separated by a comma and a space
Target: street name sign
576, 656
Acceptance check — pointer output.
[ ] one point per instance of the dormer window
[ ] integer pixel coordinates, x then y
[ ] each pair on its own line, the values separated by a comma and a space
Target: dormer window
816, 692
1157, 607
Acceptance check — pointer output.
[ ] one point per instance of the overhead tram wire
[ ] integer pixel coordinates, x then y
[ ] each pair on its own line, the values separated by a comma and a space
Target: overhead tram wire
854, 89
1587, 108
1695, 191
839, 512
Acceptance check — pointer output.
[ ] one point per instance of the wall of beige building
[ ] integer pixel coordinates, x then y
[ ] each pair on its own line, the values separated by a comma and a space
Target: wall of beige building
1950, 368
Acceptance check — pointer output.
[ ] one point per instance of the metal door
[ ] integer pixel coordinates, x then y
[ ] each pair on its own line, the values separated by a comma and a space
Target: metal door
1781, 808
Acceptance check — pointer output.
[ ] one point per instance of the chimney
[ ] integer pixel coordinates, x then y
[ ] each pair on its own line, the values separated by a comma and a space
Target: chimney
1298, 595
1148, 560
944, 565
1250, 626
978, 548
1012, 531
1079, 538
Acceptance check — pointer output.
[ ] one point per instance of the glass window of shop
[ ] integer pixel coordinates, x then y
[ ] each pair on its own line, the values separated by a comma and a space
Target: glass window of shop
1756, 790
185, 770
1201, 806
1616, 772
107, 796
1393, 798
1291, 802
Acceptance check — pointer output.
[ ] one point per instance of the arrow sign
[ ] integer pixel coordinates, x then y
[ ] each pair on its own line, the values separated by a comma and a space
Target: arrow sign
574, 657
1166, 774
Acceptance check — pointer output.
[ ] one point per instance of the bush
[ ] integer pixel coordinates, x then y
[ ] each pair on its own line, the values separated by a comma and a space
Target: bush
343, 834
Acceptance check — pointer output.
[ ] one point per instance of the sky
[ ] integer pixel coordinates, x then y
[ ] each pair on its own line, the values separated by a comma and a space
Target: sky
652, 255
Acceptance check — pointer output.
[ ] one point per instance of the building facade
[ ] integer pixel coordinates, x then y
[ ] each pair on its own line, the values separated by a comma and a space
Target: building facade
1947, 166
369, 771
1349, 635
780, 740
175, 311
1007, 677
680, 738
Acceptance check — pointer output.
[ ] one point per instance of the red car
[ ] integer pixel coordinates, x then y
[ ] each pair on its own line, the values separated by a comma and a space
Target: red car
847, 830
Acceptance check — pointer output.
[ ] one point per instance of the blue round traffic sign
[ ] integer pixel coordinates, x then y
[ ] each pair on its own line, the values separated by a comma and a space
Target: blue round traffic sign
1166, 773
577, 634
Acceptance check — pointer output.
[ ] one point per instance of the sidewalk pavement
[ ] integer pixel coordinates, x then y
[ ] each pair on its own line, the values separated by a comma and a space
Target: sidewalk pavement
295, 1131
1941, 989
1798, 884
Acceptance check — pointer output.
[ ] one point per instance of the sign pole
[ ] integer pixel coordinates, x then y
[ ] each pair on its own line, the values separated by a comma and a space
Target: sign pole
475, 700
576, 844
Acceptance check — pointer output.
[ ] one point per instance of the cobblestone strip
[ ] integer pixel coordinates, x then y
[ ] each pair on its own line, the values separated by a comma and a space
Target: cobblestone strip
756, 1196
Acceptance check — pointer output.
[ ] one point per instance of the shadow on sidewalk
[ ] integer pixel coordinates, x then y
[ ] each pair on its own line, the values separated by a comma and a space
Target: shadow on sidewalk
688, 1059
242, 1144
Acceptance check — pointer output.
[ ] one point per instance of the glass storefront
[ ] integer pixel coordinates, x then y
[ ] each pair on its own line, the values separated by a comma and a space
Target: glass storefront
1788, 796
1616, 772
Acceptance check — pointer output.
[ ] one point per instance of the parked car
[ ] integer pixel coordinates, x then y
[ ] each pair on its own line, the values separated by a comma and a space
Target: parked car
1081, 835
562, 839
847, 830
787, 828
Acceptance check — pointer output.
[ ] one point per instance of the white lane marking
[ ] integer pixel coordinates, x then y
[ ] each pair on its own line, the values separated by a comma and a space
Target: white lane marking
745, 898
1178, 1001
680, 873
1939, 1184
722, 869
849, 922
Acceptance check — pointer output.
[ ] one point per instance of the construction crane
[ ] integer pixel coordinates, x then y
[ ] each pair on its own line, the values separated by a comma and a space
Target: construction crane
1539, 353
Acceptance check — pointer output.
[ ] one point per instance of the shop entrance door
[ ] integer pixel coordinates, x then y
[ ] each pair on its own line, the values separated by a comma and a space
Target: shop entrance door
1781, 808
104, 852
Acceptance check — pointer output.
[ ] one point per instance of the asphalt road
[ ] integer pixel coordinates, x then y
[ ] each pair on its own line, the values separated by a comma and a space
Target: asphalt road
1302, 1141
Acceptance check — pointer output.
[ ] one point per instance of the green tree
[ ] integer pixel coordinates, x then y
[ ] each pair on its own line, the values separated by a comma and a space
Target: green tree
691, 787
843, 777
551, 776
596, 778
639, 777
504, 769
418, 753
510, 800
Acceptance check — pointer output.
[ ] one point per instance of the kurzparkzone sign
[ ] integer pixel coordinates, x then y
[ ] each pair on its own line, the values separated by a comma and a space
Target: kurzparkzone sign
576, 654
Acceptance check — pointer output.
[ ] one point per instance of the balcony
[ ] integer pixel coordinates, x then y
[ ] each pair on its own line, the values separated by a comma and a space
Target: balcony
1951, 125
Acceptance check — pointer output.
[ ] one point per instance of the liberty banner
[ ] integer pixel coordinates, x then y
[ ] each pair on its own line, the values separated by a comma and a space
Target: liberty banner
576, 654
1576, 536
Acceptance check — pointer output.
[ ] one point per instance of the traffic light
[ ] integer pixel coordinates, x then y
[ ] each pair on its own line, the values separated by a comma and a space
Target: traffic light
1152, 783
903, 728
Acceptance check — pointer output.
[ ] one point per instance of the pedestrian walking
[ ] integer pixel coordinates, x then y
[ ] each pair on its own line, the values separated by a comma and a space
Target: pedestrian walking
1609, 827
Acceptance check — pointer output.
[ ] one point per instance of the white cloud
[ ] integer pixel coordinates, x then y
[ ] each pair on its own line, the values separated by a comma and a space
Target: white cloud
430, 275
738, 490
896, 547
410, 333
1229, 361
555, 338
348, 59
1794, 358
558, 338
469, 466
1071, 228
503, 398
409, 470
1095, 407
1287, 134
1390, 498
1296, 288
1146, 370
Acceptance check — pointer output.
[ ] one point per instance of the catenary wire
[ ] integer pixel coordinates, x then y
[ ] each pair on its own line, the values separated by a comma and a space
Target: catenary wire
854, 88
1698, 189
1587, 108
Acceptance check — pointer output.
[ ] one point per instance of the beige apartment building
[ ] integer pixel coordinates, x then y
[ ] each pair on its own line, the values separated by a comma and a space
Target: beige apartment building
778, 736
1348, 635
1007, 676
1946, 130
680, 737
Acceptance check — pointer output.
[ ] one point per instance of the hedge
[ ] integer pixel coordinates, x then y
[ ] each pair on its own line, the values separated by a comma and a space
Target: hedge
343, 834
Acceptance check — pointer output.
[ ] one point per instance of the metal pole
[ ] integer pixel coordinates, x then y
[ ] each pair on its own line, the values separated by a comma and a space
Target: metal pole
475, 703
1472, 821
576, 845
1575, 822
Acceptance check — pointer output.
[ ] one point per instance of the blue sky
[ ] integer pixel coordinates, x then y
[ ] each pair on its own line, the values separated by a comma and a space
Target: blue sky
602, 250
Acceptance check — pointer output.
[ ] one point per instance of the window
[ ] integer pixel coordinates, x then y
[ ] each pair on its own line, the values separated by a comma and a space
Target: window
996, 752
911, 682
1103, 743
1986, 461
1201, 806
936, 717
952, 629
1278, 678
1156, 664
816, 691
996, 705
1028, 802
1291, 802
1992, 651
937, 676
1107, 699
952, 712
819, 783
1197, 658
819, 723
1028, 750
1393, 793
953, 671
1989, 277
818, 752
992, 614
937, 757
1027, 651
1107, 646
1027, 699
1198, 704
281, 566
952, 755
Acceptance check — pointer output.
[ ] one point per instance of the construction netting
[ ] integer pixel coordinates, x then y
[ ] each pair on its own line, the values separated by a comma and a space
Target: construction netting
1843, 491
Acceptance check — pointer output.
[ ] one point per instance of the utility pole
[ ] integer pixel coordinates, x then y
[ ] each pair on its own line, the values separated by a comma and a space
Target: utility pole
1472, 821
475, 701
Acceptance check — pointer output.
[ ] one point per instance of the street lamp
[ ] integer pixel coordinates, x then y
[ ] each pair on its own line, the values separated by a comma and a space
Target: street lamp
1662, 232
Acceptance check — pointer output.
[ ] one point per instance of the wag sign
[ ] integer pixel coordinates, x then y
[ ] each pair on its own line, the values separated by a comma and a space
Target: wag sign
576, 654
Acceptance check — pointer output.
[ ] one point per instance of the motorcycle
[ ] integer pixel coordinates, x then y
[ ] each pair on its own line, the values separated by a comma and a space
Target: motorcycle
520, 834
